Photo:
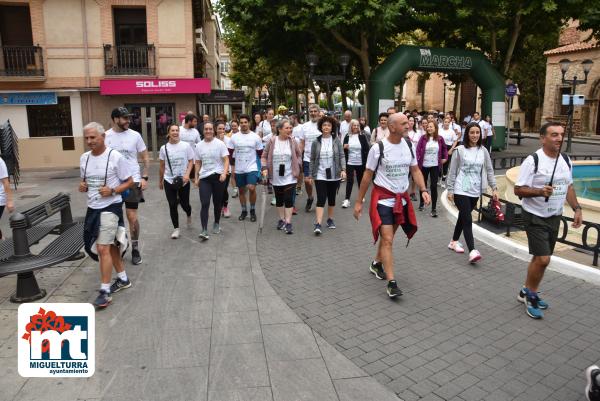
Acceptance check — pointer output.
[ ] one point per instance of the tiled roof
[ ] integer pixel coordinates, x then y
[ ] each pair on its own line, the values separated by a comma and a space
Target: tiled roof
573, 47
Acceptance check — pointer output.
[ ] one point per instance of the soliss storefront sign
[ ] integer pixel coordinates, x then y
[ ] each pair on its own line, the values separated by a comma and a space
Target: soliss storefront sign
154, 86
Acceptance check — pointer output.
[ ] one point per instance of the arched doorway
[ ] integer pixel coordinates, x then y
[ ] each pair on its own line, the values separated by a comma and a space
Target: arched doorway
417, 58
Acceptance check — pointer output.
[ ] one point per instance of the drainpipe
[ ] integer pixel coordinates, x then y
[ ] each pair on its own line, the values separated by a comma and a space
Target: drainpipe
86, 55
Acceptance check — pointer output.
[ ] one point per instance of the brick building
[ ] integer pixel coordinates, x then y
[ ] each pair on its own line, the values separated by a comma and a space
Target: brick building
573, 45
64, 63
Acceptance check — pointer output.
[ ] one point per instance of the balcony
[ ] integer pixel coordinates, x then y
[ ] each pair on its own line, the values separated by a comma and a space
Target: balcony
129, 60
21, 63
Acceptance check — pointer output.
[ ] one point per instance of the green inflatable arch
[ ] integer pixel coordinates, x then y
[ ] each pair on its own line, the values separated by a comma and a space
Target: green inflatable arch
416, 58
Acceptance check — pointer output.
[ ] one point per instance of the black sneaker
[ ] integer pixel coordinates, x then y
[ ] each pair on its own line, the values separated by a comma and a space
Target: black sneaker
281, 225
288, 228
243, 216
433, 213
377, 269
392, 289
252, 215
119, 285
309, 203
103, 300
317, 229
592, 389
330, 224
136, 258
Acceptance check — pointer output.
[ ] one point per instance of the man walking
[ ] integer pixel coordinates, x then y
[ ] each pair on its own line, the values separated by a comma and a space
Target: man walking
345, 125
390, 162
243, 150
545, 181
129, 144
307, 135
105, 175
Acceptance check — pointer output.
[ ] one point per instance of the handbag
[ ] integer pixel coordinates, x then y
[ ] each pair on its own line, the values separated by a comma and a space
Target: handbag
177, 180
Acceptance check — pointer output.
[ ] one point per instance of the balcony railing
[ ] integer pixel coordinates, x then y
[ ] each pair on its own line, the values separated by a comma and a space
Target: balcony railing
129, 60
21, 61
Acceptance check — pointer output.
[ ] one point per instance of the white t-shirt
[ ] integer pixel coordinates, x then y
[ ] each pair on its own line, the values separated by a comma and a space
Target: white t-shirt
486, 129
367, 130
449, 135
265, 128
354, 150
227, 141
190, 136
394, 168
266, 138
326, 159
296, 132
380, 134
468, 178
414, 137
128, 143
308, 133
344, 127
95, 173
563, 177
432, 149
244, 151
179, 155
282, 154
3, 175
211, 155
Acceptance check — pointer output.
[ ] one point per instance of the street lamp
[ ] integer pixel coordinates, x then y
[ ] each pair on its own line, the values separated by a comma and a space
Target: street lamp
586, 65
312, 60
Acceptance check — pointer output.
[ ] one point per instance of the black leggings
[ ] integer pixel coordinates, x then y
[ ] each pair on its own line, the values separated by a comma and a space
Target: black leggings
350, 169
326, 190
434, 172
464, 223
284, 195
211, 186
447, 164
1, 211
178, 196
226, 191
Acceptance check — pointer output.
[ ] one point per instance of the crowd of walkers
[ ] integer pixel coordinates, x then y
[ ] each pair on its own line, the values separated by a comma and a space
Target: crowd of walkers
405, 153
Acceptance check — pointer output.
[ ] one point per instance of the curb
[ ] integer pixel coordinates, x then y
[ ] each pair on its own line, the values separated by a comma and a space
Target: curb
557, 264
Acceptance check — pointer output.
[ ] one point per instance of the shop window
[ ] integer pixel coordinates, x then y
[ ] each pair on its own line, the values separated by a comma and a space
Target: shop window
50, 120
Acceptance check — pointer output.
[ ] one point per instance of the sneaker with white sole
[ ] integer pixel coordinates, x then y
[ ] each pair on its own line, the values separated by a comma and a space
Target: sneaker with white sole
456, 247
175, 234
345, 203
392, 289
592, 389
532, 306
119, 285
216, 228
235, 192
226, 212
474, 256
377, 269
541, 303
204, 235
103, 300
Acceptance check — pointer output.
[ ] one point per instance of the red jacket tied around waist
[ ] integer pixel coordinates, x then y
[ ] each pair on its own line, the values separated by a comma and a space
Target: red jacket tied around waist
406, 218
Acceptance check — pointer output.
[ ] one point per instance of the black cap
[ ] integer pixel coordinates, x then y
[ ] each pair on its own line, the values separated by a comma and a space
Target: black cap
120, 112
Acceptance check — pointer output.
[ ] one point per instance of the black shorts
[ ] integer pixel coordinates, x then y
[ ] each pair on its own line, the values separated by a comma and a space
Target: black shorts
542, 233
386, 214
134, 198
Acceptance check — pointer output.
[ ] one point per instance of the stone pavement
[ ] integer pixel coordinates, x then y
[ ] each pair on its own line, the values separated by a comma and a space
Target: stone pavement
458, 333
200, 322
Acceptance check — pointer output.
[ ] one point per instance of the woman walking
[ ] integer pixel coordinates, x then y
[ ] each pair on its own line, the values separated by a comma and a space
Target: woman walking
327, 168
451, 142
431, 156
176, 160
466, 184
356, 150
281, 164
222, 136
212, 163
381, 131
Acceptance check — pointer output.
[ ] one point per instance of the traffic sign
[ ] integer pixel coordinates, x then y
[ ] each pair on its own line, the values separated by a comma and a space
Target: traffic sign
511, 90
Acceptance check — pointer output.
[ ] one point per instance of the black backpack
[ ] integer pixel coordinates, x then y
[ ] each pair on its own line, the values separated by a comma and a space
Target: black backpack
381, 154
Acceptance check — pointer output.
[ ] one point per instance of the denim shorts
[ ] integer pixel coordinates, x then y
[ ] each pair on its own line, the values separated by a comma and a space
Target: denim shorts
245, 179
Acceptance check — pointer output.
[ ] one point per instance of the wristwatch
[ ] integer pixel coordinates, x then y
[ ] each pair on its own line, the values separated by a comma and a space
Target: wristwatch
145, 178
576, 207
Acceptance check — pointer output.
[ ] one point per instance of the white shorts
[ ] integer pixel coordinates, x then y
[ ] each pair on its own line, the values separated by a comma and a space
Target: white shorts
109, 223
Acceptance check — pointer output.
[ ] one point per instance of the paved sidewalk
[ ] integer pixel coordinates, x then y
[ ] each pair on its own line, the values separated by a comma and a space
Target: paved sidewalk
200, 322
458, 333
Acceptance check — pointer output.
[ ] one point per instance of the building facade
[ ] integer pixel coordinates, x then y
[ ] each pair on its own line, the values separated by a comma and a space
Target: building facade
574, 46
152, 56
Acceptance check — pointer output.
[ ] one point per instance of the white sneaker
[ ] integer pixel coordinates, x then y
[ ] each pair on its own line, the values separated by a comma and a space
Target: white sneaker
175, 234
474, 256
345, 203
456, 247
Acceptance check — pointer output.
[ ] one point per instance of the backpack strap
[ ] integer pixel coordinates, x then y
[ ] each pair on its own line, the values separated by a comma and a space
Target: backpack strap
106, 170
381, 156
566, 157
409, 143
536, 161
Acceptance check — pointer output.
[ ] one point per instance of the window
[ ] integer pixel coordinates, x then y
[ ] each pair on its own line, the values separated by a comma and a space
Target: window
50, 120
563, 90
225, 67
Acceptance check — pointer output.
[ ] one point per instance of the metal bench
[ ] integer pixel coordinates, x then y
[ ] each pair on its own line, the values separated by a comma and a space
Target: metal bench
515, 132
15, 254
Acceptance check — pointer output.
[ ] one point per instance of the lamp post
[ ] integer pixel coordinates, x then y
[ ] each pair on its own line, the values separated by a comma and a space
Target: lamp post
586, 65
312, 60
